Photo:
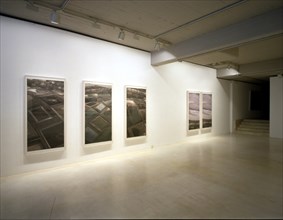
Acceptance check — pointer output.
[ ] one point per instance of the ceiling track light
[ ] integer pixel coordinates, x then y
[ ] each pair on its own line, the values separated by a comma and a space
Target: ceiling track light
157, 45
121, 35
54, 17
76, 14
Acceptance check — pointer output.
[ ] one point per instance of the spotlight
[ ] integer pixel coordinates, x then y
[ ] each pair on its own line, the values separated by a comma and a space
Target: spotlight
54, 17
157, 45
121, 35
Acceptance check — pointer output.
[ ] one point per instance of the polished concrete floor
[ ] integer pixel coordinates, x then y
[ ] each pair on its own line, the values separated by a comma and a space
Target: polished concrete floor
217, 177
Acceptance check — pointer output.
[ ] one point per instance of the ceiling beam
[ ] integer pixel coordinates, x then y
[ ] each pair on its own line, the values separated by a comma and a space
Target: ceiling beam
268, 67
255, 28
206, 16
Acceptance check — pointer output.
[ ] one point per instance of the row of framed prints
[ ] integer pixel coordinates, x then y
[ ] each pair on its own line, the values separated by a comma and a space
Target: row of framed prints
98, 112
45, 113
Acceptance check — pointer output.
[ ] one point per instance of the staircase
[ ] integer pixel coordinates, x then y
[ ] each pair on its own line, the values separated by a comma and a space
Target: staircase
253, 127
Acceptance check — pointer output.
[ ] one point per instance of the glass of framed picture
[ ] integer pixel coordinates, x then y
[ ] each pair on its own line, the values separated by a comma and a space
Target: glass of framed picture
97, 114
206, 110
135, 112
44, 114
193, 110
199, 112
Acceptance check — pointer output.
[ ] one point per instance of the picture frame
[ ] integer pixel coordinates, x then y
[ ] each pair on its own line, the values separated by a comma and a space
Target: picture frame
135, 112
193, 110
199, 112
97, 113
45, 114
206, 110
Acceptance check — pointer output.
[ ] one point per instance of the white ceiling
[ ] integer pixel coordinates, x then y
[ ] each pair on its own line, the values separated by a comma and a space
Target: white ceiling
151, 25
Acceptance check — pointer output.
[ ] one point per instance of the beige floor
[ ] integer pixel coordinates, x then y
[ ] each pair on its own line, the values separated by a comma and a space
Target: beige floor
216, 177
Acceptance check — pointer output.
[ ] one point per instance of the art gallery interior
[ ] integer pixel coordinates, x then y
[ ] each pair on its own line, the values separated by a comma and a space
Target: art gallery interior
141, 109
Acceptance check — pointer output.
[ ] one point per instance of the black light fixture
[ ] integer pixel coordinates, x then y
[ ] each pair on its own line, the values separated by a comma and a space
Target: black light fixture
121, 35
54, 17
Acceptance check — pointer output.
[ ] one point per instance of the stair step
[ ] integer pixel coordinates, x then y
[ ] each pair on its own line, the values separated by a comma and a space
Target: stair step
254, 127
264, 120
255, 121
251, 124
252, 133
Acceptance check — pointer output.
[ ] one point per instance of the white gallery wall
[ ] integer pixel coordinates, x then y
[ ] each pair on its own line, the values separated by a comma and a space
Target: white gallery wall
35, 50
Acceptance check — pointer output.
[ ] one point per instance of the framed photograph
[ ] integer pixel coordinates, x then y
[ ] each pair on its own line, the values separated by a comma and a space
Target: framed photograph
45, 112
206, 110
135, 112
97, 113
193, 110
